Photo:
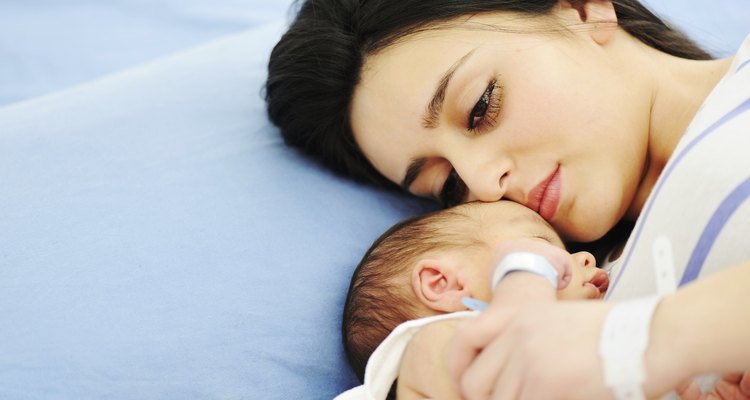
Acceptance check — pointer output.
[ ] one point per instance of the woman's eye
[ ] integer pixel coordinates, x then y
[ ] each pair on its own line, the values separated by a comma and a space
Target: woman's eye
484, 113
453, 191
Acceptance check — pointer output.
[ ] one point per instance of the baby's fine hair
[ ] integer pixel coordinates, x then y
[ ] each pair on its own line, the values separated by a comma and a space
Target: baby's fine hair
315, 67
380, 295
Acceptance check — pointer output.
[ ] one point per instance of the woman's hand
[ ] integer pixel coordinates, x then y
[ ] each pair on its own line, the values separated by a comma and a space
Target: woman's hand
424, 367
533, 351
506, 352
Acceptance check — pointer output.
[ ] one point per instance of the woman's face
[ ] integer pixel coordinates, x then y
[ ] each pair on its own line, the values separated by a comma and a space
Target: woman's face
548, 120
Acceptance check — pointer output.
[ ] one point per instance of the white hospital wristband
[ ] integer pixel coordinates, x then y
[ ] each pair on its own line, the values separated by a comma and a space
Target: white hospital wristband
622, 346
524, 261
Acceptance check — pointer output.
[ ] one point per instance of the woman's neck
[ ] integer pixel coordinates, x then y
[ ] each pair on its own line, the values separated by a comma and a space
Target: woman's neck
680, 86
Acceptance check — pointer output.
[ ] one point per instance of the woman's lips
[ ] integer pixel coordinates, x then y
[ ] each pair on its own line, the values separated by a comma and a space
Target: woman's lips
545, 196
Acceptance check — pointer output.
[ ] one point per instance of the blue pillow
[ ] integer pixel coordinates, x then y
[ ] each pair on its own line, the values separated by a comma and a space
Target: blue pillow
719, 26
159, 241
48, 45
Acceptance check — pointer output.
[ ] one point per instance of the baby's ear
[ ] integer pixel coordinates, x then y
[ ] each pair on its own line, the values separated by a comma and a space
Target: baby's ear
438, 285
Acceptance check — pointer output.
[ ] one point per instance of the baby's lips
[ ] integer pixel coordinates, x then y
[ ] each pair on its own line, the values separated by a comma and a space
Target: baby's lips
600, 280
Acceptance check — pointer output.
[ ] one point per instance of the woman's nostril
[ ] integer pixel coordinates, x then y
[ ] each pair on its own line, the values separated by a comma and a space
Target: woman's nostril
503, 186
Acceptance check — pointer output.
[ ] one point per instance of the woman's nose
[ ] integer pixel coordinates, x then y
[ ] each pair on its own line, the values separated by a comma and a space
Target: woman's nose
488, 182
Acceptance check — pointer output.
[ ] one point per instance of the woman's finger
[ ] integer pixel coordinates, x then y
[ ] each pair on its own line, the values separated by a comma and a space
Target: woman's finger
471, 337
478, 382
508, 385
513, 294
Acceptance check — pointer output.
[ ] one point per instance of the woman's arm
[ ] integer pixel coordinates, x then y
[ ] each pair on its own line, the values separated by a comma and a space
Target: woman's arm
424, 373
702, 328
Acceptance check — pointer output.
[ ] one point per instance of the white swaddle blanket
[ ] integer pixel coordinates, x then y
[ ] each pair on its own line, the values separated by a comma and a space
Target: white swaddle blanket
382, 368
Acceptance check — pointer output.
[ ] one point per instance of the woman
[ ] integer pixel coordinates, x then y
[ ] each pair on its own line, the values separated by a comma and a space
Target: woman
572, 108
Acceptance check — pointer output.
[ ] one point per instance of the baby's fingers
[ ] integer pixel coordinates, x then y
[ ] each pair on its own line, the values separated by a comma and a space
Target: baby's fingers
689, 390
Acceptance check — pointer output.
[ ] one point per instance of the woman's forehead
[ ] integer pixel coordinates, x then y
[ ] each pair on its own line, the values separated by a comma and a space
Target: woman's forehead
428, 54
417, 53
468, 29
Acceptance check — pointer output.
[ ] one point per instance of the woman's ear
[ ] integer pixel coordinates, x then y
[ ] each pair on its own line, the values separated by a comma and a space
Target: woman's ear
600, 15
439, 285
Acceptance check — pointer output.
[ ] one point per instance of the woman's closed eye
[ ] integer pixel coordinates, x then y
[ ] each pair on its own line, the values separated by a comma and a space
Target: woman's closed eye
486, 110
481, 118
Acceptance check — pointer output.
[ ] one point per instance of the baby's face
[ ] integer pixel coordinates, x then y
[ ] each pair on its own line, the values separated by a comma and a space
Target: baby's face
501, 221
588, 282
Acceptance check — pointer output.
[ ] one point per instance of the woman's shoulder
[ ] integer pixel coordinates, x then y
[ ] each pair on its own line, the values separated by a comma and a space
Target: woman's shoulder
727, 101
742, 56
695, 217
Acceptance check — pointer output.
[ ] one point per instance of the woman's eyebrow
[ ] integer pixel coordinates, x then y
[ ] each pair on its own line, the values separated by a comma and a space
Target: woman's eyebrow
430, 118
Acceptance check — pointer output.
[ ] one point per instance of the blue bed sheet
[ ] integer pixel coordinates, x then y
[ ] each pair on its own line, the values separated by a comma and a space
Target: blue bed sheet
157, 239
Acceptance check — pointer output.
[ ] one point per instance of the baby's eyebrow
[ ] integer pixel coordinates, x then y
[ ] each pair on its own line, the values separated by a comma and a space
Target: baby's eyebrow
537, 219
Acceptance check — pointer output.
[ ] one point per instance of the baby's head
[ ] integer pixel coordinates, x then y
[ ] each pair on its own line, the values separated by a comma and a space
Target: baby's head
426, 265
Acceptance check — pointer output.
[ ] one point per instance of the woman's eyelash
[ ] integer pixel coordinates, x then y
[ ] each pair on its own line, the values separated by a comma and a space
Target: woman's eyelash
453, 191
485, 111
482, 117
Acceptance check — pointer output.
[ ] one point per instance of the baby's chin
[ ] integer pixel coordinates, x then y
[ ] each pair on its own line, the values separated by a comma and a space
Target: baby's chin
585, 292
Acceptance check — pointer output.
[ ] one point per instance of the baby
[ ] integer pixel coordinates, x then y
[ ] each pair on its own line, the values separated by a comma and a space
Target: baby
429, 264
426, 269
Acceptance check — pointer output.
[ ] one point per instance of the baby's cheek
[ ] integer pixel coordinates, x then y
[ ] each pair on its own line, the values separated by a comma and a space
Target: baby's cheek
572, 292
484, 295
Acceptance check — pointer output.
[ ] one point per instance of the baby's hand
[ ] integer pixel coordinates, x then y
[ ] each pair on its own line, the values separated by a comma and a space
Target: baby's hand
424, 369
729, 387
732, 387
557, 257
